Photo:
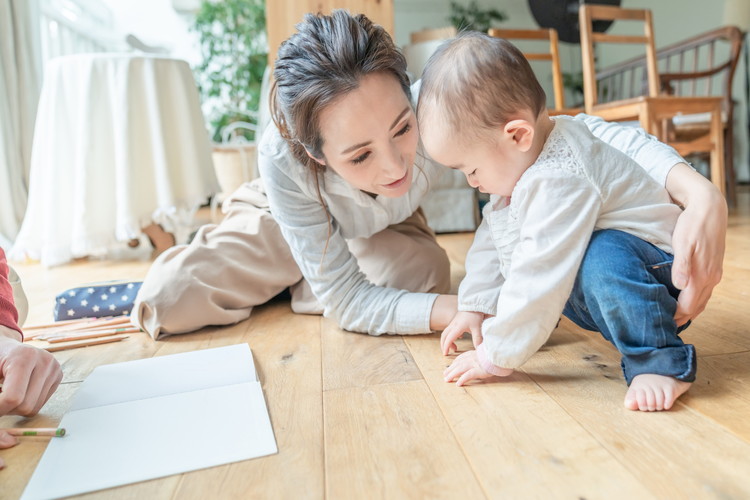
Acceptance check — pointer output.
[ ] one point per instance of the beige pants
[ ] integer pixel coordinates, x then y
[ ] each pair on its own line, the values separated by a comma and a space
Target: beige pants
243, 262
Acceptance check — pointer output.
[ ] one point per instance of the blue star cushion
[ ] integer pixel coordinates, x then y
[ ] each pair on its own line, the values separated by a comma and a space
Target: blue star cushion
96, 300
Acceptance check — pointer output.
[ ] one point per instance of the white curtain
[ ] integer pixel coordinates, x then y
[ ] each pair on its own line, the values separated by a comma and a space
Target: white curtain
20, 82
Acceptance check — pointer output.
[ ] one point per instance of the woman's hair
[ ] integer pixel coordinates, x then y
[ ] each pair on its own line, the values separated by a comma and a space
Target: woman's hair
322, 62
477, 82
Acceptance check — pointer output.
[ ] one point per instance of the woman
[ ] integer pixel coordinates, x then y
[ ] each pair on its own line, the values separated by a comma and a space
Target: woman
337, 218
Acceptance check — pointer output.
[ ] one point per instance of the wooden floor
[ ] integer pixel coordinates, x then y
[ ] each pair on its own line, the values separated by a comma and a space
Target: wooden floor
366, 417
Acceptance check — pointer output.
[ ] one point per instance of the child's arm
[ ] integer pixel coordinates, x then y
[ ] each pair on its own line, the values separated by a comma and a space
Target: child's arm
480, 287
557, 213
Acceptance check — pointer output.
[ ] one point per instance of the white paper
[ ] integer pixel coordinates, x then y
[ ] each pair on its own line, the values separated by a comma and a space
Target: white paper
156, 417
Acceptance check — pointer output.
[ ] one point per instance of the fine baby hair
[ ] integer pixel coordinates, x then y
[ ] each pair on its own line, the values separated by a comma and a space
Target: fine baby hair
484, 74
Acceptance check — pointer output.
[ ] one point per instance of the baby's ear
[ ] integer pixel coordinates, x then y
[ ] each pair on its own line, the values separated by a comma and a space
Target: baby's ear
521, 133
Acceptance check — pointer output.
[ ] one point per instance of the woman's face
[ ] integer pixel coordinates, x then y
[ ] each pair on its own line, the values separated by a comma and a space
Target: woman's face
370, 136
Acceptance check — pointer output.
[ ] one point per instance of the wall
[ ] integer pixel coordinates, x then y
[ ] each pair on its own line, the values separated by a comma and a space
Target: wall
671, 24
155, 22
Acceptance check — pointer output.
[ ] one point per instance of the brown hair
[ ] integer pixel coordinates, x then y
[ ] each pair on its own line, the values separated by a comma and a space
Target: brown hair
323, 61
488, 76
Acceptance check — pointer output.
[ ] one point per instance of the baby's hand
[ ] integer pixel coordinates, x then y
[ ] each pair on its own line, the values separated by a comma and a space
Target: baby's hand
463, 321
466, 368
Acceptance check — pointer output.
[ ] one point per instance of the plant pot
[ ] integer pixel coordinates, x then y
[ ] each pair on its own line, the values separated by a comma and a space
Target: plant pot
234, 164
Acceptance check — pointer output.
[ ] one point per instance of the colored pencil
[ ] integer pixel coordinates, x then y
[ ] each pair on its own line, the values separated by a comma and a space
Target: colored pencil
31, 431
89, 335
84, 343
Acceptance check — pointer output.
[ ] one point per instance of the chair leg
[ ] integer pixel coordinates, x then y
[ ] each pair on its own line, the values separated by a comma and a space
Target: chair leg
731, 179
717, 151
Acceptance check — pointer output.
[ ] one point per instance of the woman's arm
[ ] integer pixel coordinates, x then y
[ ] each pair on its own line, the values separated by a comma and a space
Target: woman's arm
698, 239
326, 262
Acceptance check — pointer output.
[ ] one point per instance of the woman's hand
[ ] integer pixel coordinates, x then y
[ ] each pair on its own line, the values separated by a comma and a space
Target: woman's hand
29, 375
698, 240
6, 441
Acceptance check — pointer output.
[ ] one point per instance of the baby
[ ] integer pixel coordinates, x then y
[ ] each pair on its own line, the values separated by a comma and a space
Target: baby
573, 226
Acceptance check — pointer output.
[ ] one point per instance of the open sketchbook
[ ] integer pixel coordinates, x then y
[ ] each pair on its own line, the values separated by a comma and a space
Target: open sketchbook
156, 417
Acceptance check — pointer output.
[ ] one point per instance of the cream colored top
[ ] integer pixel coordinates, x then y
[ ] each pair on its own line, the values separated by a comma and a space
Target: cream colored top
334, 275
522, 265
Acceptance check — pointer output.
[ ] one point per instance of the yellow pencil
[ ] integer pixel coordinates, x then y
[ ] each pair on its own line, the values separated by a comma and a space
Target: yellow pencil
30, 431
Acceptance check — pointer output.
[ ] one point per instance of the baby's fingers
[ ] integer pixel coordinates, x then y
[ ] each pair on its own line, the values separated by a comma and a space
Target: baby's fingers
448, 341
468, 376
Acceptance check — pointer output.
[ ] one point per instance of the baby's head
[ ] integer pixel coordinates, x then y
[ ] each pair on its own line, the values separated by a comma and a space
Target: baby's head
480, 110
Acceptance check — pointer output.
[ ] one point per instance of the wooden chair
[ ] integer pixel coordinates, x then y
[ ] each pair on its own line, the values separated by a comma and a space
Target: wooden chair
433, 34
701, 65
553, 55
655, 109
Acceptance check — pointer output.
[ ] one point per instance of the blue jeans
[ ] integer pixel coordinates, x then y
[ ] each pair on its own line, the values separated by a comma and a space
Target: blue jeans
624, 290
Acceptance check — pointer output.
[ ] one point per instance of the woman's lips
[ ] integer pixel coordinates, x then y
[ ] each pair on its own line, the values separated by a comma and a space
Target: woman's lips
395, 184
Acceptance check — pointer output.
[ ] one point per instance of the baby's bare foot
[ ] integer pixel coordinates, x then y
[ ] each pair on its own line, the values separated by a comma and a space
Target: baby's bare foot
650, 392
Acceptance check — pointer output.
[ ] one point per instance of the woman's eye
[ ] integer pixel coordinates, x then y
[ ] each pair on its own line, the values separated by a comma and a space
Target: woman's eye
473, 172
361, 158
404, 130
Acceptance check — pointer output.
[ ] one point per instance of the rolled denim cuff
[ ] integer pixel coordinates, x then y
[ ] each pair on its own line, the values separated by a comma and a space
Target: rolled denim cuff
678, 362
486, 364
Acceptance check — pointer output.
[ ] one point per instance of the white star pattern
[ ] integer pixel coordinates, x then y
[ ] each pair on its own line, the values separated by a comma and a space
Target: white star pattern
98, 300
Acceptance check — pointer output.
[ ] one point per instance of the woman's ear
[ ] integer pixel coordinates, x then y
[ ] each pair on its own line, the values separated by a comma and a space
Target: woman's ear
521, 133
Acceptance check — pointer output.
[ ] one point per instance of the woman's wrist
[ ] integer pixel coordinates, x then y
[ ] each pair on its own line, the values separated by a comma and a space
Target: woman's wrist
689, 188
11, 333
443, 310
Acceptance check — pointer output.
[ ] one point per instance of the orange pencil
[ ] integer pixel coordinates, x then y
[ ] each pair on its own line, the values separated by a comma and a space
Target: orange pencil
90, 335
84, 343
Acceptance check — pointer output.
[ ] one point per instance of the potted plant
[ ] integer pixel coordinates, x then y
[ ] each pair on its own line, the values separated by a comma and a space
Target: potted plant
234, 49
472, 17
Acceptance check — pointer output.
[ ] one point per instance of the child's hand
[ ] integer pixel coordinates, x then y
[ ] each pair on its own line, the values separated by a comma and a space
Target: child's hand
466, 368
463, 321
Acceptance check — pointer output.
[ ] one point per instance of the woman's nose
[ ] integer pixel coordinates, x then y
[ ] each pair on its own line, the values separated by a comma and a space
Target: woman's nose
395, 162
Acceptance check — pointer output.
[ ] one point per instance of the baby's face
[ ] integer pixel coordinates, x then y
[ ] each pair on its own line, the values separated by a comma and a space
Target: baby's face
490, 162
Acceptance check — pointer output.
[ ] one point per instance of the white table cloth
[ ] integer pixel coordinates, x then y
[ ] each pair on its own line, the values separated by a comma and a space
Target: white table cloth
119, 142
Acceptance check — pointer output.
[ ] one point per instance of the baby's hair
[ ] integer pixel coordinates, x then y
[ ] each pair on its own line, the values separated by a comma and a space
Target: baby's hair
477, 83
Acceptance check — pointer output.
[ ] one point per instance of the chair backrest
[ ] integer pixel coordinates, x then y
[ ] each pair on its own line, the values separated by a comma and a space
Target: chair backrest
589, 13
699, 66
553, 55
433, 34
